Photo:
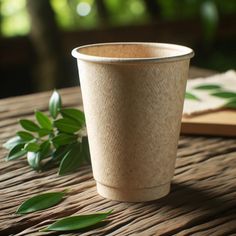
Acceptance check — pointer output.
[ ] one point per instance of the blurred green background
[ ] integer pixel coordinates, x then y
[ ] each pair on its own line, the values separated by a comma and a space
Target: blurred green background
36, 36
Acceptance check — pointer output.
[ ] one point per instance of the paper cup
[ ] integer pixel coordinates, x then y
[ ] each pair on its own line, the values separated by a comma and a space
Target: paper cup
133, 97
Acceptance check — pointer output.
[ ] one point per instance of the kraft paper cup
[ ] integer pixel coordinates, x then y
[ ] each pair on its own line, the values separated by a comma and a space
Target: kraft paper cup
133, 97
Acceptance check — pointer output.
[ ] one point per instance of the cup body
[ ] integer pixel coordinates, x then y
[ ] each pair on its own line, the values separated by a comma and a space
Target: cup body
133, 97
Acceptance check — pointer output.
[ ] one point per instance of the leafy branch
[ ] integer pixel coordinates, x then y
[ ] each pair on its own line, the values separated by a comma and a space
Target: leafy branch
55, 140
58, 139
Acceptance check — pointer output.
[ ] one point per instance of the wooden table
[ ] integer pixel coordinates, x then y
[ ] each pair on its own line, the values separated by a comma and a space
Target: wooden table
202, 199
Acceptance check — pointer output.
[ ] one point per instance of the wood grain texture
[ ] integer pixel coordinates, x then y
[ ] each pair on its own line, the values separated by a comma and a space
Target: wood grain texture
202, 199
222, 122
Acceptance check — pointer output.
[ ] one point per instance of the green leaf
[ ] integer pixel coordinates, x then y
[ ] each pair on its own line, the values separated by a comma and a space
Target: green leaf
40, 202
45, 148
34, 159
63, 139
208, 87
60, 152
67, 125
29, 125
75, 114
231, 104
26, 136
77, 222
31, 147
85, 149
16, 152
72, 160
224, 94
11, 143
55, 104
43, 120
43, 132
191, 96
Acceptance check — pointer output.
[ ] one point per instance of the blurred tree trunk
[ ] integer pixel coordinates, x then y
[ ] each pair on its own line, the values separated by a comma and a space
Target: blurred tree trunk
102, 12
153, 9
49, 72
0, 19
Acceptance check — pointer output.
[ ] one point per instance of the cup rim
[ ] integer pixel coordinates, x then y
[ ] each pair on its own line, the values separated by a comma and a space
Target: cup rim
186, 53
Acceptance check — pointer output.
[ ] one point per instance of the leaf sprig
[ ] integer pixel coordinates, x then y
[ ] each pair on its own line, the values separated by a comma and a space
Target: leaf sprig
53, 140
218, 91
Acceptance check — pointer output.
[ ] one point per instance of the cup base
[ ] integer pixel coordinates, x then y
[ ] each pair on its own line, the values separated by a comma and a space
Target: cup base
133, 195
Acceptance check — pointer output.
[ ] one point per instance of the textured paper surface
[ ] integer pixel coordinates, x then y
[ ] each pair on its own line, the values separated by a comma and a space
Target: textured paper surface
133, 114
207, 103
133, 119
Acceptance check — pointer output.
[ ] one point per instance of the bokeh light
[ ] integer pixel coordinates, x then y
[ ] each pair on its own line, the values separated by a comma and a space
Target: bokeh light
83, 8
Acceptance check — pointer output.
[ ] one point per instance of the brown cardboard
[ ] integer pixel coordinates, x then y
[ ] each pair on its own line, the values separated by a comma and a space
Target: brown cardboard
133, 97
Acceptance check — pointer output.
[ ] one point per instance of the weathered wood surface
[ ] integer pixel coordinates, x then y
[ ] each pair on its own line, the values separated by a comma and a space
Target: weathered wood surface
202, 199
